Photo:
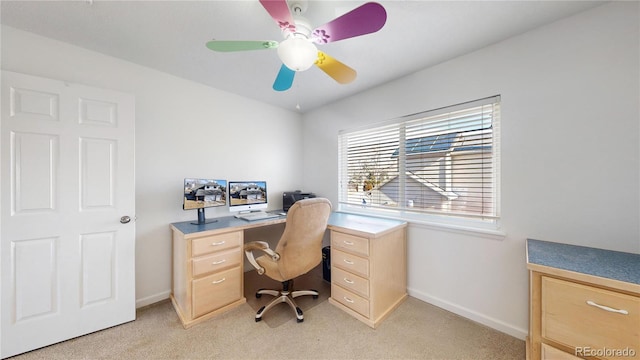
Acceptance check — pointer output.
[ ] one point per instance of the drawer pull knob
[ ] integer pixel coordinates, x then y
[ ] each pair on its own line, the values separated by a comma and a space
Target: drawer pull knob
218, 281
347, 299
348, 242
217, 243
348, 261
348, 281
218, 262
606, 308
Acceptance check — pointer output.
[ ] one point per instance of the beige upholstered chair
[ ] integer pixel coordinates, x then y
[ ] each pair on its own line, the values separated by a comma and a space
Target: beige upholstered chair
298, 251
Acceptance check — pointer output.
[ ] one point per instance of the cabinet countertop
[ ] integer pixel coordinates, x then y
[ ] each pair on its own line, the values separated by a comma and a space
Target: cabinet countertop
367, 225
608, 264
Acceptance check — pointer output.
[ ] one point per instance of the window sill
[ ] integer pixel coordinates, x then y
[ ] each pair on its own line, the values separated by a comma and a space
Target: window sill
489, 230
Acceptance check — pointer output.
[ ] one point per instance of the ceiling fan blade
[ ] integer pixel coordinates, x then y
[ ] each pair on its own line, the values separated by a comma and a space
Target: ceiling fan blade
279, 11
284, 80
365, 19
334, 68
228, 46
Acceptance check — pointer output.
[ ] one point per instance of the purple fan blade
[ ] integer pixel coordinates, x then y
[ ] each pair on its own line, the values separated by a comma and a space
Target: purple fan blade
279, 11
362, 20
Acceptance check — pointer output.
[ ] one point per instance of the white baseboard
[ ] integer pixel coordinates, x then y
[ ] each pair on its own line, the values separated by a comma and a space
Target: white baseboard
470, 314
152, 299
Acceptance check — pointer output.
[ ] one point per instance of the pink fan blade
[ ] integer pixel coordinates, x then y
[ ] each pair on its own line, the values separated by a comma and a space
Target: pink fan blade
362, 20
279, 11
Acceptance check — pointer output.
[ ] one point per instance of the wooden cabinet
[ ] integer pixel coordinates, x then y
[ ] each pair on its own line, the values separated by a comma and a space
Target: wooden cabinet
582, 309
207, 274
368, 266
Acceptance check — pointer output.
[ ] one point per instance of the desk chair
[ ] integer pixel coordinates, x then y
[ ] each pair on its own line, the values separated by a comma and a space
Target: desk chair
298, 251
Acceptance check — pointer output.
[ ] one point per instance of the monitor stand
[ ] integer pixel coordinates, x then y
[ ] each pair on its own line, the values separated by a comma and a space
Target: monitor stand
202, 220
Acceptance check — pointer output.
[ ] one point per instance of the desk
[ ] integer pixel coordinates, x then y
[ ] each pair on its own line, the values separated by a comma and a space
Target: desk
208, 266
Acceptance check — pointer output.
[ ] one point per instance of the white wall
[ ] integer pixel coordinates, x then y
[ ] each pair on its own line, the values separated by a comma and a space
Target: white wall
570, 135
183, 129
570, 155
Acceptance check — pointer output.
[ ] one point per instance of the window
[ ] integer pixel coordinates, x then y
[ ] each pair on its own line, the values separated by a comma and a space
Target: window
443, 162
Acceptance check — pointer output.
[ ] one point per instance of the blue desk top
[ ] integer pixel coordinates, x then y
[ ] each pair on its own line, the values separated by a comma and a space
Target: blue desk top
359, 223
225, 222
608, 264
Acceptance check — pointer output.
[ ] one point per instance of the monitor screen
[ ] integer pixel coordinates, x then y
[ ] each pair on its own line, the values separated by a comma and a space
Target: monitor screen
247, 195
203, 193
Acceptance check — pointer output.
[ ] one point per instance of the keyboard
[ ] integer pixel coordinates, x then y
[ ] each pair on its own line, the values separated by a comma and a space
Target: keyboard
258, 215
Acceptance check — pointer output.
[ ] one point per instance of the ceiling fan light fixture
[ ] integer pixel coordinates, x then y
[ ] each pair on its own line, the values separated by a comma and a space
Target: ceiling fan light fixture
297, 53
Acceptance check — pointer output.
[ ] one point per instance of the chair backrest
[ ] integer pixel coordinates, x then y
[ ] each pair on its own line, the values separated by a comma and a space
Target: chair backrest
300, 246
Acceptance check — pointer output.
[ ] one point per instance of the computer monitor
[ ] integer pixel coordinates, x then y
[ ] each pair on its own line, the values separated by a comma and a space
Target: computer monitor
203, 193
246, 196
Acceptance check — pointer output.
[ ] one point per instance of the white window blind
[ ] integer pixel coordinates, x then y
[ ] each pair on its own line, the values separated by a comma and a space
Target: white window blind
444, 161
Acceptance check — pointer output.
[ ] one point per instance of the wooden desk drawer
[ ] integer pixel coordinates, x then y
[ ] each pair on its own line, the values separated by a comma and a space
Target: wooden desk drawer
216, 261
349, 262
551, 353
216, 290
350, 243
351, 282
209, 244
350, 300
571, 316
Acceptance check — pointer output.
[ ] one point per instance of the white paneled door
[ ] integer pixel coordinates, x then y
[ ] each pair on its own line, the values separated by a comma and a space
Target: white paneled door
67, 211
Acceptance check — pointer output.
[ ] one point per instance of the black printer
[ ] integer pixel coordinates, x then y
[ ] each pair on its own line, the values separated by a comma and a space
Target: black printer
290, 197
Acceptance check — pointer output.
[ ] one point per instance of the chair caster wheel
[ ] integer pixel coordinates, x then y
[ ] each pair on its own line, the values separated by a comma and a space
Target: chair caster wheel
300, 315
314, 296
259, 314
258, 296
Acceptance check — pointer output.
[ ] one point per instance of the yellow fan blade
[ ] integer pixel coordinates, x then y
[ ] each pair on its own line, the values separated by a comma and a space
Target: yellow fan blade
334, 68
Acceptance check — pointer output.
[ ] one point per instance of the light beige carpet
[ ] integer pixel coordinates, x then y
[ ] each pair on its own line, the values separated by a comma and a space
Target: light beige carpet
415, 330
282, 313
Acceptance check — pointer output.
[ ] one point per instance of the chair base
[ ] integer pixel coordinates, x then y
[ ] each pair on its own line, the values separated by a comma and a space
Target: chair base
284, 296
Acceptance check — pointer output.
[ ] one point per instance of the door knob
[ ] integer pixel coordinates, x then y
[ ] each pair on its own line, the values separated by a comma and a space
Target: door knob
125, 219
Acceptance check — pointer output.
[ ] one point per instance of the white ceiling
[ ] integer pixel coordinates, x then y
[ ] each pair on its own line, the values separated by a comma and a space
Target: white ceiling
170, 36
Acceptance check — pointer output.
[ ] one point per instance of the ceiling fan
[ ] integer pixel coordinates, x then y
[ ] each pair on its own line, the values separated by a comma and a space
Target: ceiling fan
297, 51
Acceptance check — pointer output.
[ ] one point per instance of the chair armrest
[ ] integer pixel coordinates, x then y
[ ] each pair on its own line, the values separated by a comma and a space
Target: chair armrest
262, 246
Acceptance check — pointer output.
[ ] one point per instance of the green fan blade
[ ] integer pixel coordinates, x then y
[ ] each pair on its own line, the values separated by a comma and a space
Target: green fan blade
228, 46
